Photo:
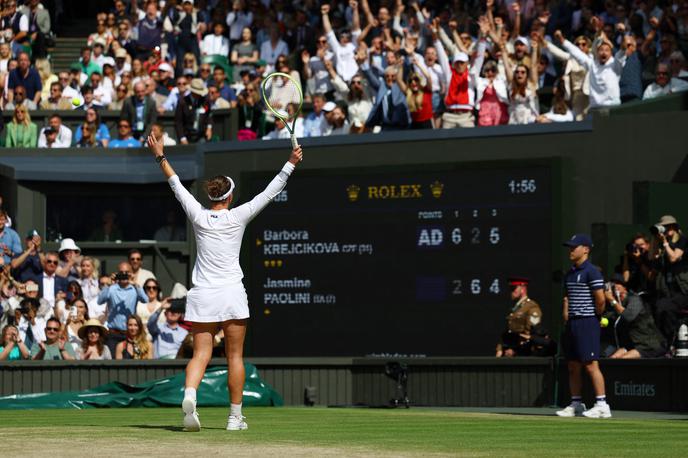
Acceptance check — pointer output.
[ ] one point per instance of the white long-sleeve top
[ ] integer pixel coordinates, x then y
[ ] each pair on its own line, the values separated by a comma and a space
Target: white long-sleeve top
604, 78
215, 45
219, 232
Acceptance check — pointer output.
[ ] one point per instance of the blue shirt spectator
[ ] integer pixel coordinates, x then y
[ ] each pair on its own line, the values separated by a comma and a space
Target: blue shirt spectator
121, 303
128, 143
125, 139
26, 76
167, 337
9, 240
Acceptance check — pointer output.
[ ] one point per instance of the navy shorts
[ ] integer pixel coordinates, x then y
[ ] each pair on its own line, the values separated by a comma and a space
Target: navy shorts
582, 339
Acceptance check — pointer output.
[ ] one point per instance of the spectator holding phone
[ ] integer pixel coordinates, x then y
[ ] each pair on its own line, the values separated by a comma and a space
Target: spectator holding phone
29, 264
121, 299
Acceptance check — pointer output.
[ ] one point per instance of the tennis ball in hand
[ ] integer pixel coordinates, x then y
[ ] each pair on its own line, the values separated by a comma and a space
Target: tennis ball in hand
604, 322
76, 101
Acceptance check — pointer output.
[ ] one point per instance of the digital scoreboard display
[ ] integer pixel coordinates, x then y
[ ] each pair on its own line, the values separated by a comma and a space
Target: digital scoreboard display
392, 261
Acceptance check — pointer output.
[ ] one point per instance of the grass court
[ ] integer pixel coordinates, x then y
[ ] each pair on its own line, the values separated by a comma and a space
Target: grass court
320, 432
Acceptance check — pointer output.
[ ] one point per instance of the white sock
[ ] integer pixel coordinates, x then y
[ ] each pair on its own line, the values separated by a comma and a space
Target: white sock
190, 393
235, 410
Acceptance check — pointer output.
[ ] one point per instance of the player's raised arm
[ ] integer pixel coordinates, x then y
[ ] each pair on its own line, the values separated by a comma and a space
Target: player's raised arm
191, 206
246, 212
156, 148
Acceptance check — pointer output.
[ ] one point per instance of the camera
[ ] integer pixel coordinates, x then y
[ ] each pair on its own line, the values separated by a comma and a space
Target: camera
119, 276
657, 229
632, 248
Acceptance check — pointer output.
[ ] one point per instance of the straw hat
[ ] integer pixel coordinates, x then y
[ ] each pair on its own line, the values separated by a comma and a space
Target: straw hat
198, 88
92, 323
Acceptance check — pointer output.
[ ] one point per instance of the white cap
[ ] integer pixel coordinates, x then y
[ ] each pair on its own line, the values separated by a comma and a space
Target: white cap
188, 1
329, 106
68, 244
523, 40
165, 67
460, 57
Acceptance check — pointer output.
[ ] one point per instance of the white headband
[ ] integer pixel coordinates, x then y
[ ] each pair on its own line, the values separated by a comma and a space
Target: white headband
225, 195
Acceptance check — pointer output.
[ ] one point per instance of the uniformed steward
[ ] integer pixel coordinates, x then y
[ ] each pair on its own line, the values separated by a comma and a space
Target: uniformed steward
525, 315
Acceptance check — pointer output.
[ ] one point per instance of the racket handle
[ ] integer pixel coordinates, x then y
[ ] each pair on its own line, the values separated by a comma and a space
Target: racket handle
294, 143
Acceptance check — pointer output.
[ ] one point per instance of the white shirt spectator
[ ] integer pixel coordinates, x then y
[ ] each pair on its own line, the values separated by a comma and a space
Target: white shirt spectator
49, 289
63, 139
604, 78
284, 132
655, 90
215, 44
236, 21
566, 117
70, 92
89, 287
37, 329
102, 94
345, 62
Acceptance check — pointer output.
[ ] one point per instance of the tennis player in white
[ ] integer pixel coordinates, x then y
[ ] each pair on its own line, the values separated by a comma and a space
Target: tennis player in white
218, 299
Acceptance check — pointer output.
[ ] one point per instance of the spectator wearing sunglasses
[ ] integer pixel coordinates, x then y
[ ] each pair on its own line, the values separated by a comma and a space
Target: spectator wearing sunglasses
55, 344
153, 292
125, 139
51, 284
664, 84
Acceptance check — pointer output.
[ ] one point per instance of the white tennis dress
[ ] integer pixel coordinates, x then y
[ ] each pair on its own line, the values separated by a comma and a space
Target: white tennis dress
218, 293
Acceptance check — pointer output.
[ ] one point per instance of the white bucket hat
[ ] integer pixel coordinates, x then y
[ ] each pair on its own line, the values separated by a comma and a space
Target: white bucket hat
68, 244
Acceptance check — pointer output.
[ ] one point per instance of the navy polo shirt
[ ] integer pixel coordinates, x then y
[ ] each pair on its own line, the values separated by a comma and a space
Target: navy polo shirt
32, 82
579, 284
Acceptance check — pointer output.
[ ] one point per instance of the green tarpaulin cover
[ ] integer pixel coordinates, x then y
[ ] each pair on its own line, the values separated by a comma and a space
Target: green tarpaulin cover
157, 393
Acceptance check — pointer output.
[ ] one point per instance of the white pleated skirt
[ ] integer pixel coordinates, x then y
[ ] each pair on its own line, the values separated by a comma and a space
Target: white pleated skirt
215, 304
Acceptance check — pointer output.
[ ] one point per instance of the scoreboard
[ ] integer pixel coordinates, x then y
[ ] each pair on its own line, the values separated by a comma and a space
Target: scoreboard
395, 261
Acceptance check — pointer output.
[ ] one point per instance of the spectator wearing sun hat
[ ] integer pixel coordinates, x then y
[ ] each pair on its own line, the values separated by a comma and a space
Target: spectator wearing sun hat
192, 117
70, 260
92, 335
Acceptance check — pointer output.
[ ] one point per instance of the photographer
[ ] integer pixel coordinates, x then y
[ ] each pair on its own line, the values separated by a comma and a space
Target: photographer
639, 338
636, 265
671, 274
120, 299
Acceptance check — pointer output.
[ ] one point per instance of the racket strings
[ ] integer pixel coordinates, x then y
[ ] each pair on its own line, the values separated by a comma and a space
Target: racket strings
280, 92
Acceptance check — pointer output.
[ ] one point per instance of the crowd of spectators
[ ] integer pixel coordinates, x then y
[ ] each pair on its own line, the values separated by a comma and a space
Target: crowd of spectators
58, 305
363, 66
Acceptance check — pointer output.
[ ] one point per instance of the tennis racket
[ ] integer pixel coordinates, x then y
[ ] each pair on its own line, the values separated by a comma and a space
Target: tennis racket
283, 97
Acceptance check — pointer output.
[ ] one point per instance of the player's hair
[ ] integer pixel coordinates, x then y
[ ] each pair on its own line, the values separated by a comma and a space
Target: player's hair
217, 186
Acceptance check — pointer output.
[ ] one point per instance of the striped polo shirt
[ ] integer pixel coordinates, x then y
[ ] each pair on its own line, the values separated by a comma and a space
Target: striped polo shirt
579, 284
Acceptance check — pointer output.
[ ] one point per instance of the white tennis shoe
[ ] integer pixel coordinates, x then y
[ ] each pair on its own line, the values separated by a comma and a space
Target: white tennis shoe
191, 421
571, 411
598, 411
236, 423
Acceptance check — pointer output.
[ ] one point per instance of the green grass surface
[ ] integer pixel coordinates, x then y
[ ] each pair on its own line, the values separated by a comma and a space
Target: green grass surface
334, 432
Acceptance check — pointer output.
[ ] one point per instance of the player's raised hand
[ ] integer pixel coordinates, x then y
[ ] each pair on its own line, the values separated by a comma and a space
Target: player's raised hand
296, 155
154, 145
